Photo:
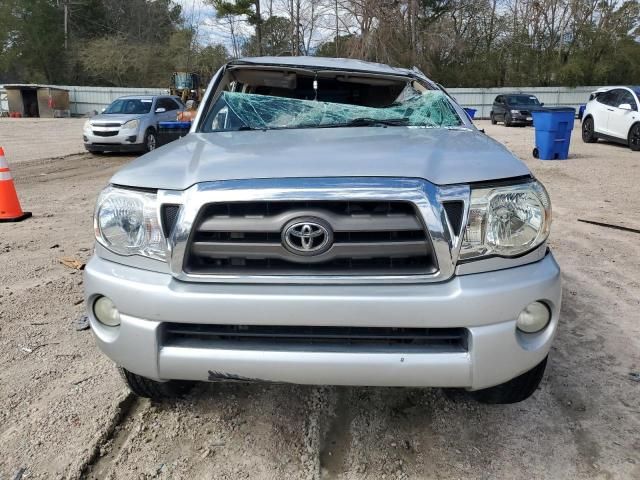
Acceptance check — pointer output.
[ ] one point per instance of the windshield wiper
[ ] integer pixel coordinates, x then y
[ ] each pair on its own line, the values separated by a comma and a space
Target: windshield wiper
361, 122
367, 122
356, 122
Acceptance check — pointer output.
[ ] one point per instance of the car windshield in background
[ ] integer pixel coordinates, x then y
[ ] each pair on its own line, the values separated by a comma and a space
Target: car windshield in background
522, 100
243, 111
130, 106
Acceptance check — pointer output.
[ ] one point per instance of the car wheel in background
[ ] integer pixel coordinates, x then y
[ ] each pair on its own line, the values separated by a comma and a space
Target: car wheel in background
147, 388
507, 120
515, 390
634, 137
588, 134
493, 119
150, 140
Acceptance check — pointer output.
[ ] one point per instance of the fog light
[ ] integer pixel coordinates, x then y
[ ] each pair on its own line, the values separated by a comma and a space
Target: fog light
534, 317
106, 312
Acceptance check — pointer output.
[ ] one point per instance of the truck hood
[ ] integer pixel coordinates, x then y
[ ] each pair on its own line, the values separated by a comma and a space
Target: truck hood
441, 156
114, 118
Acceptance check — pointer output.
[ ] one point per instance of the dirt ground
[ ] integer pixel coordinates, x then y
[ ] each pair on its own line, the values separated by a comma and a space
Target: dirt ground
26, 139
64, 412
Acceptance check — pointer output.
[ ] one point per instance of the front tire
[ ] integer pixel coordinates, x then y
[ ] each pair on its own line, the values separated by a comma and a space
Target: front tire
634, 137
588, 131
507, 120
150, 140
515, 390
493, 119
147, 388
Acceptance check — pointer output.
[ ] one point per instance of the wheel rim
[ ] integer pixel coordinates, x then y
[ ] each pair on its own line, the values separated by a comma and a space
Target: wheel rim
151, 141
635, 136
587, 128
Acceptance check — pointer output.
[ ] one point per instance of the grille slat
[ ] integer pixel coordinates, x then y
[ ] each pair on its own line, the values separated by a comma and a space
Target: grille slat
339, 223
102, 133
339, 250
369, 238
319, 337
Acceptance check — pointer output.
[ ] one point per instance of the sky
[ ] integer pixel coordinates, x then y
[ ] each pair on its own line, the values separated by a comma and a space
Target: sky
203, 16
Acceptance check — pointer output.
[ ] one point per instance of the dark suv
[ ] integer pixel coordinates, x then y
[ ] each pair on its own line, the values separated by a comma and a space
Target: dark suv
514, 109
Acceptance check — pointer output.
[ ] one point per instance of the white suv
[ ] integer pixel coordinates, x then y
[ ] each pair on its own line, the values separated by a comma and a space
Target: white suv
612, 114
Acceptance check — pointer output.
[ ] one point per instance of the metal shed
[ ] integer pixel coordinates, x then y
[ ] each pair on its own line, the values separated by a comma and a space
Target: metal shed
30, 100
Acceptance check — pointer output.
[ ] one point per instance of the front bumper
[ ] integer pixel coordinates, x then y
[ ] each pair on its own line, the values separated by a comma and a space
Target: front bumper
487, 304
124, 141
522, 119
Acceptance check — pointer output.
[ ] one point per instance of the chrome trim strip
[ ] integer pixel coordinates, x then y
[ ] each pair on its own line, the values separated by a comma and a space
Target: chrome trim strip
339, 223
460, 193
424, 195
337, 250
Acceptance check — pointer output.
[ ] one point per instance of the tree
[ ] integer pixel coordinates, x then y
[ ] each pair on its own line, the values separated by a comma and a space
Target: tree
32, 41
275, 38
247, 8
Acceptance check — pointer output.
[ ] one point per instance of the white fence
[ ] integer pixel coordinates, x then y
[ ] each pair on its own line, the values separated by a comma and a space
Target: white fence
4, 104
87, 99
84, 100
481, 99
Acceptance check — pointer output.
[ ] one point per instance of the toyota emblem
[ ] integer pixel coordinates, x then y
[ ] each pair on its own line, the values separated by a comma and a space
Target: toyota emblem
307, 236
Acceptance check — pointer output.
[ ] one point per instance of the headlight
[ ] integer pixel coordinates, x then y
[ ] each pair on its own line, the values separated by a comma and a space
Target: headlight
515, 112
87, 125
506, 221
126, 222
130, 125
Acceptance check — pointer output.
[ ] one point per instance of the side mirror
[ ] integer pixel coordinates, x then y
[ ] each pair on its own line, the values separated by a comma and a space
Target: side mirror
542, 104
161, 110
625, 106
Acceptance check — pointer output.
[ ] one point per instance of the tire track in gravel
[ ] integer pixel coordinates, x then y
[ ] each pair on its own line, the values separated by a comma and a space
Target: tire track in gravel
68, 168
320, 403
336, 443
98, 464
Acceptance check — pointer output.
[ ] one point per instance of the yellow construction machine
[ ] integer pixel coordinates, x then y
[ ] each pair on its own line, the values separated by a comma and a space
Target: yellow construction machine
187, 86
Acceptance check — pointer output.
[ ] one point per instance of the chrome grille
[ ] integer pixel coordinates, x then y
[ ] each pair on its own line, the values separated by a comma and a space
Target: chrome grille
369, 238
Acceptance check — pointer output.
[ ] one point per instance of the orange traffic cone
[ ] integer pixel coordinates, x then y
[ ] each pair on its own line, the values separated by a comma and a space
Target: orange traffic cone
10, 210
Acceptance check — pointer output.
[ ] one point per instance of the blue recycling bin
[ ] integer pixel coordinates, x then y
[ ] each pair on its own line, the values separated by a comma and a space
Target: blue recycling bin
471, 112
170, 131
553, 132
581, 111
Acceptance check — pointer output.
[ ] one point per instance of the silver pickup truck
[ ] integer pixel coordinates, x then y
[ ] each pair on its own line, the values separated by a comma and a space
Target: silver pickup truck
326, 221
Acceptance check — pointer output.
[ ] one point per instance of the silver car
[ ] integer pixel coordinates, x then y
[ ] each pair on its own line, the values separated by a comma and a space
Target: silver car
130, 123
326, 221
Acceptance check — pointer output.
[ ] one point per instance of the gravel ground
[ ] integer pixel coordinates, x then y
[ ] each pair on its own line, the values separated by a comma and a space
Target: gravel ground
64, 412
25, 139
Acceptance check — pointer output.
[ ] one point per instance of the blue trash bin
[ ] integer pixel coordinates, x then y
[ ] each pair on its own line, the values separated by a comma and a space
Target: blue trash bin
170, 131
471, 112
581, 111
553, 132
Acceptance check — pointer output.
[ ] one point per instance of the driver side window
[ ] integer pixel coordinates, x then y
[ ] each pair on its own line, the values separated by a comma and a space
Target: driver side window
609, 98
627, 97
167, 103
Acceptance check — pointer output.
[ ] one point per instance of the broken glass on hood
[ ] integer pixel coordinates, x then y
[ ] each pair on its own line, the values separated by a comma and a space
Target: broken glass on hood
245, 111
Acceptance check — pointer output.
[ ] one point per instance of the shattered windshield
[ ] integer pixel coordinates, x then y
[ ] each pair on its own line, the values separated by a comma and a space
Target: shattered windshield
244, 111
